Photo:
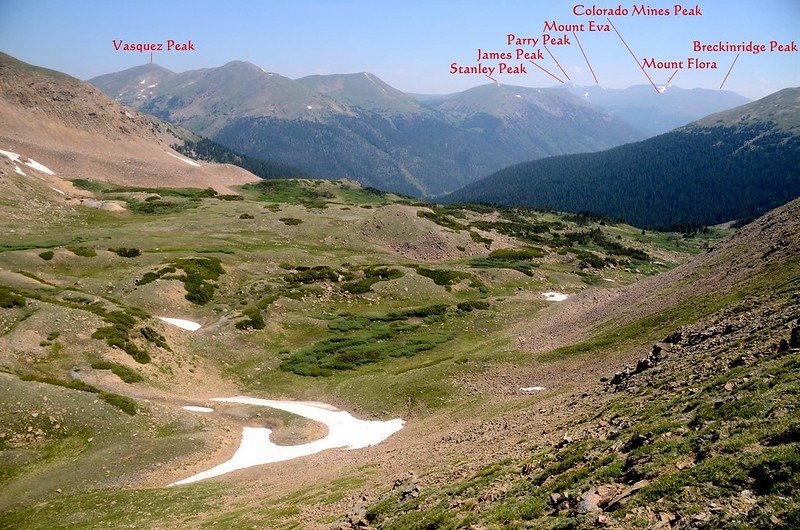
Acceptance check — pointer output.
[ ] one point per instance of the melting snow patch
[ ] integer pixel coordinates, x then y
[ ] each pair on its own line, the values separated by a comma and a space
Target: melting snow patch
190, 162
31, 163
308, 107
517, 95
13, 156
554, 296
344, 431
58, 191
19, 170
141, 82
152, 86
188, 325
529, 389
192, 408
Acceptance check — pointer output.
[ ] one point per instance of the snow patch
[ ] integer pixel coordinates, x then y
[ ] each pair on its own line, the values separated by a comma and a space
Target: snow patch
553, 296
58, 191
192, 408
344, 431
152, 86
18, 169
31, 163
309, 107
374, 83
532, 389
141, 82
13, 156
188, 325
190, 162
517, 95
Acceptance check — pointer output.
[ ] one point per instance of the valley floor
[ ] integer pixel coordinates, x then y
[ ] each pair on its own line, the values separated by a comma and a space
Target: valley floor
389, 308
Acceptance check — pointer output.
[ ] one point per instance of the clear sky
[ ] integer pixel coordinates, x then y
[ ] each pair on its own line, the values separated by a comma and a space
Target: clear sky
410, 44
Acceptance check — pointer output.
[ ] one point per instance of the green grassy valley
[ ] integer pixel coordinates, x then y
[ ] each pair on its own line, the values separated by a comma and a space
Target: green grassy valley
377, 303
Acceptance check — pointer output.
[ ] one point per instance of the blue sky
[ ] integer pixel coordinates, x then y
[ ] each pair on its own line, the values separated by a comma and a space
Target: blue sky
409, 44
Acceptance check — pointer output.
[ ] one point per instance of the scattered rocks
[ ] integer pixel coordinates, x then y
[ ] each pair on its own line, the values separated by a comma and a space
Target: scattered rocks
653, 358
408, 486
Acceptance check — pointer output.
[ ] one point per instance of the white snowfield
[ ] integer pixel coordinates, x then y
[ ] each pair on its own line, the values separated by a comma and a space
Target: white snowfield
532, 389
344, 431
190, 162
194, 408
31, 163
188, 325
553, 296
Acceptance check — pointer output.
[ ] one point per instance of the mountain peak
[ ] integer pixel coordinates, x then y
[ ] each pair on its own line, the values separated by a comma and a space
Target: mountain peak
243, 65
657, 112
365, 90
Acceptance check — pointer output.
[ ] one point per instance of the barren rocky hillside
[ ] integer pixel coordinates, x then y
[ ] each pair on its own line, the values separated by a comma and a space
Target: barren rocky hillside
77, 132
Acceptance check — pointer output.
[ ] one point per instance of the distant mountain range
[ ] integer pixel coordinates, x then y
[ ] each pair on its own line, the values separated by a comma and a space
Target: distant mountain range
736, 164
357, 126
655, 113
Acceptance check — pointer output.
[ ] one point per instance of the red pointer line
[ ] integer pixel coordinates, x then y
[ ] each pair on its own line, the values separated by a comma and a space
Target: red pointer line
633, 55
587, 59
670, 77
492, 78
558, 64
151, 57
729, 72
545, 71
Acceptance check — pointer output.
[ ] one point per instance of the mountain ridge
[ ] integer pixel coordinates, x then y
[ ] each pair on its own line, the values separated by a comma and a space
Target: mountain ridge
705, 173
657, 113
357, 126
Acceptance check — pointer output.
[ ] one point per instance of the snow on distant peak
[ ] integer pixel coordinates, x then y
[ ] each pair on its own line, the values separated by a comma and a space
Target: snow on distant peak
309, 107
517, 95
373, 82
141, 82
